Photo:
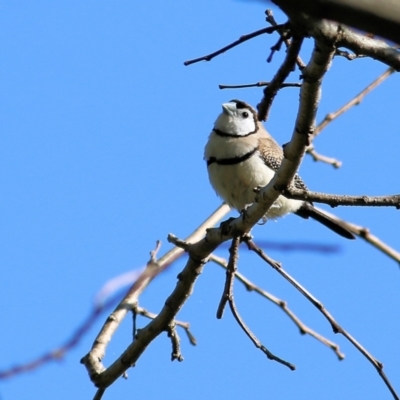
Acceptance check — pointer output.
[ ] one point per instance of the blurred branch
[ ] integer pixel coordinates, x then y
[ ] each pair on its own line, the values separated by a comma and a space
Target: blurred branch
297, 246
381, 18
283, 72
258, 84
58, 353
304, 329
338, 35
335, 200
241, 40
335, 326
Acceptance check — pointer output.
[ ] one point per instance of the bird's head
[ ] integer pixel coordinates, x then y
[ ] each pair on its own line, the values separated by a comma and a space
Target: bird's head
237, 119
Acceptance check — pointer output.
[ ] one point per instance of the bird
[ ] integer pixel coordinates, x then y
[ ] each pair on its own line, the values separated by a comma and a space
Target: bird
241, 156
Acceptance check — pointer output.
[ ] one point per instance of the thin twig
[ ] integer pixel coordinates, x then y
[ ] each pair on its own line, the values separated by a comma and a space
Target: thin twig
241, 40
185, 325
319, 157
353, 102
258, 84
335, 326
175, 341
283, 72
230, 276
304, 329
335, 200
228, 297
277, 46
365, 234
271, 20
347, 55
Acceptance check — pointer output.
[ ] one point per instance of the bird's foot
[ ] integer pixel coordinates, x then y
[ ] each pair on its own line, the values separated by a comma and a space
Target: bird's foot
257, 189
225, 226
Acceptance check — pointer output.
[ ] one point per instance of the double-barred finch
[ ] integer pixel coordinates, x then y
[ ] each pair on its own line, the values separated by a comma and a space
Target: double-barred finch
241, 155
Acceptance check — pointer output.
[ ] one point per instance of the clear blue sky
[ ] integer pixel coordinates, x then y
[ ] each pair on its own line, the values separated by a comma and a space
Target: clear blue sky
103, 130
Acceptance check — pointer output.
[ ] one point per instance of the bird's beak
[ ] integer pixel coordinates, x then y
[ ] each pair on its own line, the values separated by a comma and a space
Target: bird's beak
229, 108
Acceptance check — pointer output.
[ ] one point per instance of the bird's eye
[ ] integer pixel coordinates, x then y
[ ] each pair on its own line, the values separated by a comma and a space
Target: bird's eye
245, 114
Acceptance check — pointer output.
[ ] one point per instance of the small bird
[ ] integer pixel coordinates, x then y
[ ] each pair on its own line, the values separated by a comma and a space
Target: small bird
241, 156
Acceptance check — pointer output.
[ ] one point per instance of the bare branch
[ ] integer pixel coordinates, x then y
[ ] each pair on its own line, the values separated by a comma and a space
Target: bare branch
335, 326
200, 251
319, 157
258, 84
365, 234
228, 297
271, 20
283, 72
342, 36
241, 40
185, 325
92, 360
353, 102
304, 329
335, 200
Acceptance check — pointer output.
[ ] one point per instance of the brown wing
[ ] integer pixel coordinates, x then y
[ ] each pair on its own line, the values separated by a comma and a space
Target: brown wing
272, 156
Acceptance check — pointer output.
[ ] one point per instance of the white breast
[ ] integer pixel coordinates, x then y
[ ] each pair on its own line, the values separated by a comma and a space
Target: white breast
235, 184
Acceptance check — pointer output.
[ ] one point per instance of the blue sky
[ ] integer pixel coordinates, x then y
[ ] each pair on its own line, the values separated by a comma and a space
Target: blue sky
103, 131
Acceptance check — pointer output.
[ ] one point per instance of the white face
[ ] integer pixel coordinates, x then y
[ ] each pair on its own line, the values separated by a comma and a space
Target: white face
235, 121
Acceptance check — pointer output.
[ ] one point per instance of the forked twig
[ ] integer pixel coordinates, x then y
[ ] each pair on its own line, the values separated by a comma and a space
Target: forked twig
271, 20
319, 157
335, 326
230, 276
331, 116
283, 72
304, 329
184, 325
228, 297
242, 39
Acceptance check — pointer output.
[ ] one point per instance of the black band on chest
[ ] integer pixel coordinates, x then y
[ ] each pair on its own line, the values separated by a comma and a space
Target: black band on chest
233, 160
224, 134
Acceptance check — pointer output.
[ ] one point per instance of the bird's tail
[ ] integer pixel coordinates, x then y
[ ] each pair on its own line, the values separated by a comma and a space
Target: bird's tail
307, 210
